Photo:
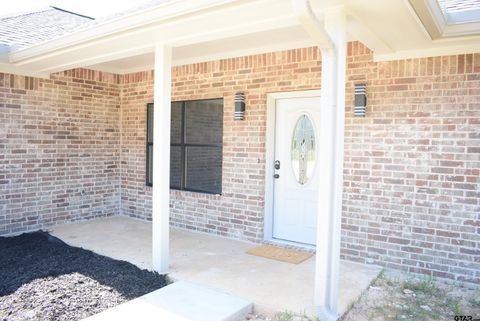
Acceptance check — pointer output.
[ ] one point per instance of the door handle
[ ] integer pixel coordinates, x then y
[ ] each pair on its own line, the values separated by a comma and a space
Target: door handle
276, 164
276, 176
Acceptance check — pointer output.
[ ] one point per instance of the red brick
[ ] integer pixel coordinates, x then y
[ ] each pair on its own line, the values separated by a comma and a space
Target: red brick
411, 165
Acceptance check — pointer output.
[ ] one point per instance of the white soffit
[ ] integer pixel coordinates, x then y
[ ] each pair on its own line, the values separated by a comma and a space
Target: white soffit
390, 28
203, 30
251, 44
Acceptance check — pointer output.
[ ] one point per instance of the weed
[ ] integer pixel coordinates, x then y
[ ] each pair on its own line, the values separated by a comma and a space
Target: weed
381, 274
474, 302
426, 285
390, 282
427, 300
284, 316
305, 317
350, 305
454, 304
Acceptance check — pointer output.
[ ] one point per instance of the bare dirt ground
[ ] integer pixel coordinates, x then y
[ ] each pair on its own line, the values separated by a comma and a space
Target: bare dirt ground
394, 296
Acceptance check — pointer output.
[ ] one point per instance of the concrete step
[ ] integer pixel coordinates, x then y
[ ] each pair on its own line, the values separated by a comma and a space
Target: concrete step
180, 301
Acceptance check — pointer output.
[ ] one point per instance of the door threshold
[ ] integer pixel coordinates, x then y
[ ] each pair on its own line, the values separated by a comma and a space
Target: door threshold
291, 244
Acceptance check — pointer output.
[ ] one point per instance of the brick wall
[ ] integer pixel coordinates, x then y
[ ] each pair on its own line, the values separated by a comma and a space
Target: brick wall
411, 198
238, 212
73, 145
59, 143
412, 166
136, 92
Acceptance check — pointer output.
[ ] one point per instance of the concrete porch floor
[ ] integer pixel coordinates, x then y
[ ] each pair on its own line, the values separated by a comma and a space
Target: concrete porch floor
218, 262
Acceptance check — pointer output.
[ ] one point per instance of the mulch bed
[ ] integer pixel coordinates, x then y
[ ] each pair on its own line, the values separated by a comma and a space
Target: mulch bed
42, 278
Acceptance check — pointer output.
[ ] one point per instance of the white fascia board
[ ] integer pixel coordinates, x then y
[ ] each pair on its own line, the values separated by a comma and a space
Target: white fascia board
137, 49
176, 33
428, 52
12, 69
99, 59
162, 12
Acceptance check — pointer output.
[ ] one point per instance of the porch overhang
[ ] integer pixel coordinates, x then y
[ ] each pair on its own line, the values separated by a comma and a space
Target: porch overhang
215, 29
186, 31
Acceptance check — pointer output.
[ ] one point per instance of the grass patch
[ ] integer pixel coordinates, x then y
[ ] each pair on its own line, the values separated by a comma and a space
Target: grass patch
290, 316
284, 316
426, 286
454, 304
396, 297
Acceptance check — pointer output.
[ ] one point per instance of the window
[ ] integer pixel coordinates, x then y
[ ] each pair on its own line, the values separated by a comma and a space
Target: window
303, 149
460, 11
444, 19
196, 144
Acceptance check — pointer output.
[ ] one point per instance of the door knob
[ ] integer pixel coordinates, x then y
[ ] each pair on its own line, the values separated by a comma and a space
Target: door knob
277, 164
276, 176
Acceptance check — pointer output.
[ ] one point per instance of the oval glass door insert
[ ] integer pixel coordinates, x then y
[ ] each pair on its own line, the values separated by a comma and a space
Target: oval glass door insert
303, 149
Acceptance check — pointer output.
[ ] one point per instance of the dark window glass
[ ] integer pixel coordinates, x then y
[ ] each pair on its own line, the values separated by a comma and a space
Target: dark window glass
195, 145
150, 123
176, 123
149, 139
201, 122
203, 166
176, 167
149, 164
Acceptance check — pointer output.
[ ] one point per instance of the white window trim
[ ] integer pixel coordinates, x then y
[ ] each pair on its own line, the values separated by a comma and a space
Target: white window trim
436, 24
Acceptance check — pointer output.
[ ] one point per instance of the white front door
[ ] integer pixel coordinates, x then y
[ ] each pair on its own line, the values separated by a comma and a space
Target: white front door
295, 174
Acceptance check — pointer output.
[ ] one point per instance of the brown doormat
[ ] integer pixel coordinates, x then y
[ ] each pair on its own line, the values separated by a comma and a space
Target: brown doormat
280, 254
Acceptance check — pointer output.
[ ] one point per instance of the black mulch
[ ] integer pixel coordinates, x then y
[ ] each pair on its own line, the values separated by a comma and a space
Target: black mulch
42, 278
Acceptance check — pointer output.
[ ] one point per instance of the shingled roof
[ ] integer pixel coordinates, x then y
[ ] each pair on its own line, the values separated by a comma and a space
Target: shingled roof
30, 28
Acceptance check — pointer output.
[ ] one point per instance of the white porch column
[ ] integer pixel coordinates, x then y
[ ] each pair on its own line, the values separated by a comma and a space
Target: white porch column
331, 166
161, 158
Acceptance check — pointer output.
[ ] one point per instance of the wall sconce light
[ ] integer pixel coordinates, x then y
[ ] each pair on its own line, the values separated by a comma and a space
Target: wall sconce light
360, 100
239, 106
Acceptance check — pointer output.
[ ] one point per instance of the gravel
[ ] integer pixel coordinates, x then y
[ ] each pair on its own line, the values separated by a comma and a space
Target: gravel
42, 278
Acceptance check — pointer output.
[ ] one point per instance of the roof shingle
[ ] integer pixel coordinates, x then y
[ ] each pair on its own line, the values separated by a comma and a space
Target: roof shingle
28, 29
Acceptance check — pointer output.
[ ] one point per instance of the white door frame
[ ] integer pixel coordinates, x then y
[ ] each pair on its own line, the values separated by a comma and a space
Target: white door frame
270, 159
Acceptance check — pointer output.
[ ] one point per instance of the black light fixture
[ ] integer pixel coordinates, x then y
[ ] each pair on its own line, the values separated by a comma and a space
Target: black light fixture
239, 106
360, 100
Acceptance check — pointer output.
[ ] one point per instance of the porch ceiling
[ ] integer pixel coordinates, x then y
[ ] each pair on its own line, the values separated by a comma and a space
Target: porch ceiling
265, 41
204, 30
